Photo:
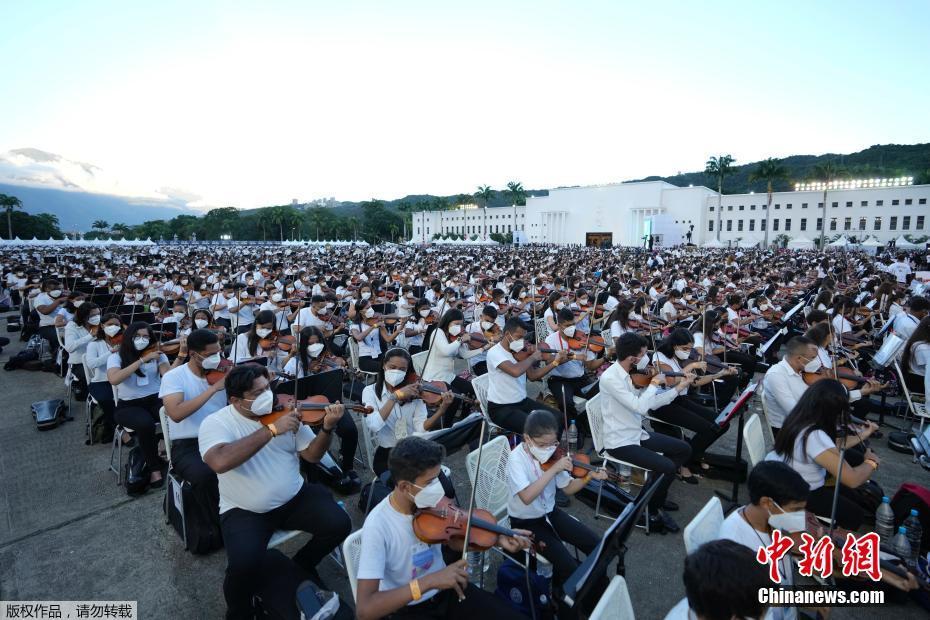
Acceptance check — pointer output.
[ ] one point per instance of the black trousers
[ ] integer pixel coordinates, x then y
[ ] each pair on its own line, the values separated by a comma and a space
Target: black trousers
102, 392
446, 605
552, 530
459, 386
722, 390
141, 415
685, 412
565, 389
675, 453
479, 369
49, 334
512, 416
189, 465
747, 363
79, 382
246, 535
849, 514
368, 363
348, 441
915, 383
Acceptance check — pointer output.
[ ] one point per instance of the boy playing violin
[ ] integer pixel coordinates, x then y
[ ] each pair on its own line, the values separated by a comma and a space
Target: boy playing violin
532, 494
400, 576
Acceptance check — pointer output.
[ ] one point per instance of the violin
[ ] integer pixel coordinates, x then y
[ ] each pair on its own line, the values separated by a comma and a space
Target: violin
168, 347
282, 342
849, 378
446, 524
431, 391
312, 409
528, 351
580, 340
219, 373
389, 319
642, 379
581, 465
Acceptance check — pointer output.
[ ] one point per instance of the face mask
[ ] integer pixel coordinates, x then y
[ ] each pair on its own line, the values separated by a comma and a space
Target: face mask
117, 288
276, 297
522, 294
315, 349
140, 343
111, 330
263, 404
687, 297
201, 323
369, 312
429, 495
583, 301
642, 362
455, 330
394, 377
812, 366
184, 282
55, 293
209, 363
559, 305
682, 355
178, 315
262, 332
542, 454
140, 296
763, 307
94, 320
78, 303
244, 296
366, 295
330, 306
486, 325
788, 521
569, 331
250, 281
154, 309
517, 345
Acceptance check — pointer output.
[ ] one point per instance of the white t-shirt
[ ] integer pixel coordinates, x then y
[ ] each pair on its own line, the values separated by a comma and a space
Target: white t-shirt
220, 300
803, 455
95, 360
523, 470
392, 553
269, 479
370, 346
136, 386
405, 419
44, 299
182, 380
502, 388
569, 370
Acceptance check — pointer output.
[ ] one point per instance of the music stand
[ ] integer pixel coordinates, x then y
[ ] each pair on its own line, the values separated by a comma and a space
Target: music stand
325, 384
736, 408
612, 545
145, 317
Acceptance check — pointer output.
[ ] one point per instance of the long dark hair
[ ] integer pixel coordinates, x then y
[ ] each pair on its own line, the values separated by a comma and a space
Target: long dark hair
127, 351
82, 312
706, 324
921, 334
304, 341
824, 406
264, 317
677, 338
621, 314
447, 318
103, 320
390, 354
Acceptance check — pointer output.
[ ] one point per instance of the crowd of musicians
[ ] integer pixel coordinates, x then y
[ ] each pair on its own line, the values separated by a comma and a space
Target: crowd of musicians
672, 336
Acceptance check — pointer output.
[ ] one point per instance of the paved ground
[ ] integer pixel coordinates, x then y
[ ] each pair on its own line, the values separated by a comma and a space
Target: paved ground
68, 532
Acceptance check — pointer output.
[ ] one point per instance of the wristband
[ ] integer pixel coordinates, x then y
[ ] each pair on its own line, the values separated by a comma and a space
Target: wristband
274, 431
872, 463
415, 589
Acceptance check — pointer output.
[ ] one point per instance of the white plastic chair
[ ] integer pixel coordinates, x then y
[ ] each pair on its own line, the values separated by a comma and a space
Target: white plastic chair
615, 603
352, 552
480, 386
541, 329
353, 359
492, 491
765, 413
917, 408
755, 440
705, 526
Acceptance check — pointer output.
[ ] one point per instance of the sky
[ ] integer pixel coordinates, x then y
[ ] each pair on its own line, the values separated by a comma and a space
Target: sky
255, 103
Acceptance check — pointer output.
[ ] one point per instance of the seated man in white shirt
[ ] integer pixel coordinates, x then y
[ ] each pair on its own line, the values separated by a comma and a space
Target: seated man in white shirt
261, 489
904, 323
624, 437
399, 576
188, 399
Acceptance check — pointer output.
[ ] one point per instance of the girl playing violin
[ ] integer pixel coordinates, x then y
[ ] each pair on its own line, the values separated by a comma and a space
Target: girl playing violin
553, 304
249, 345
369, 332
532, 494
445, 347
486, 326
567, 379
417, 324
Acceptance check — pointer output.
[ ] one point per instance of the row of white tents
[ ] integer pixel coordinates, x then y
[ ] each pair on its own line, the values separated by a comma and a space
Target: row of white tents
71, 243
870, 245
456, 242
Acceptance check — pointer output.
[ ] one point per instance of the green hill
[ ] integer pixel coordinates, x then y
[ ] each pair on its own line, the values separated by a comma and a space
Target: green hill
878, 161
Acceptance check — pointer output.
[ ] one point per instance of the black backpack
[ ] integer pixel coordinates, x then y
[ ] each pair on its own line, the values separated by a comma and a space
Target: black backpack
136, 472
202, 527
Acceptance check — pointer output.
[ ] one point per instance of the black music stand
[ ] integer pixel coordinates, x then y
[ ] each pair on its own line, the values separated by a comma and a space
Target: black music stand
328, 384
593, 570
738, 408
145, 317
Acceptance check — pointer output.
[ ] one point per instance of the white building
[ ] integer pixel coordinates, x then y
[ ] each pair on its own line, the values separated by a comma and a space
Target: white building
623, 213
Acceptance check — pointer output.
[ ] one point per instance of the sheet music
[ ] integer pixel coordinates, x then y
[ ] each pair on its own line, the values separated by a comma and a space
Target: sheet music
764, 348
474, 416
792, 312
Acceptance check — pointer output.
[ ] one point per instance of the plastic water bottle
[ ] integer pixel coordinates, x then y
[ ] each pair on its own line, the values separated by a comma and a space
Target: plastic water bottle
900, 546
884, 522
572, 438
914, 535
626, 473
476, 566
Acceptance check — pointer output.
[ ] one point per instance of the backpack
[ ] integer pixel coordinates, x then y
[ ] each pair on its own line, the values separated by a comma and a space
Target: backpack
375, 491
101, 427
511, 587
136, 472
201, 528
908, 497
49, 413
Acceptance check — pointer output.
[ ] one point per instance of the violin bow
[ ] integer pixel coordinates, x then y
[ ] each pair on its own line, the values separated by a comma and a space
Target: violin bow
474, 487
833, 344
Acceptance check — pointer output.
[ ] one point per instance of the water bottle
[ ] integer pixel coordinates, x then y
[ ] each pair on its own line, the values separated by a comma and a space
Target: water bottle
626, 473
884, 522
476, 566
900, 546
914, 535
572, 438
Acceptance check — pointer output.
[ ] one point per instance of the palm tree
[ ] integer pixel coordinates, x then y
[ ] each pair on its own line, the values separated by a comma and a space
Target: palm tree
316, 218
827, 173
296, 222
122, 229
517, 193
769, 171
484, 194
264, 219
9, 203
353, 224
719, 167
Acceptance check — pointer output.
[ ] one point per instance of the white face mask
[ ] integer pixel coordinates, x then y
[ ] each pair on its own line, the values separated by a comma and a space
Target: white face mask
93, 320
140, 296
455, 330
559, 305
570, 331
184, 282
276, 297
369, 312
118, 288
517, 345
263, 404
178, 315
366, 295
209, 363
244, 296
140, 343
394, 377
763, 307
812, 366
424, 313
78, 303
315, 349
682, 355
111, 330
55, 293
429, 495
262, 332
522, 294
788, 521
330, 306
487, 325
201, 323
542, 454
154, 309
643, 363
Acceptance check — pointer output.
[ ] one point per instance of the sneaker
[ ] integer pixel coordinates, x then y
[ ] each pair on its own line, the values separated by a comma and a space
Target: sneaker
670, 506
668, 522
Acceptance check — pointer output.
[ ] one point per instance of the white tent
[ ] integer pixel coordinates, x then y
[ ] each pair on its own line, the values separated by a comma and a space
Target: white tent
870, 245
714, 243
801, 243
903, 244
842, 242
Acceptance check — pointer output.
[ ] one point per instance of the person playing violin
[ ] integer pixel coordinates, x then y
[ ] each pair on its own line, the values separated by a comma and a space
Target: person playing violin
106, 342
445, 347
400, 576
554, 303
241, 308
281, 308
316, 315
220, 303
47, 304
248, 345
533, 490
568, 378
369, 334
261, 487
487, 326
417, 325
188, 399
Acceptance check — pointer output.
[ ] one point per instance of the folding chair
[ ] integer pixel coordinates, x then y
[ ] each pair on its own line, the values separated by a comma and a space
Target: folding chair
352, 552
705, 526
541, 329
615, 603
480, 386
765, 414
89, 403
755, 440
